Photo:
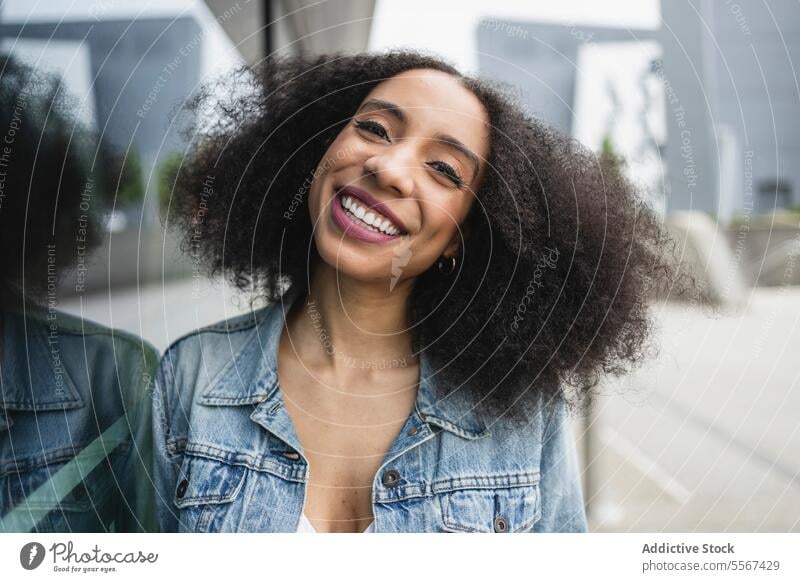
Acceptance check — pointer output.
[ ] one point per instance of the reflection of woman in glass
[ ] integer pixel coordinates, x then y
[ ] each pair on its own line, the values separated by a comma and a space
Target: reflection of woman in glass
453, 267
72, 393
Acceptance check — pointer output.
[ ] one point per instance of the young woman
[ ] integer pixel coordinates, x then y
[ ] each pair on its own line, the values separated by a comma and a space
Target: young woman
446, 276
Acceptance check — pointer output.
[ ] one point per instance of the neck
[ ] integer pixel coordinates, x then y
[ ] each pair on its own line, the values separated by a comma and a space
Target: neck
350, 327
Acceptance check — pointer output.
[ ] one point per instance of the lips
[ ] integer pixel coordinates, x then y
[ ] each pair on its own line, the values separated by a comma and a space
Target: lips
371, 203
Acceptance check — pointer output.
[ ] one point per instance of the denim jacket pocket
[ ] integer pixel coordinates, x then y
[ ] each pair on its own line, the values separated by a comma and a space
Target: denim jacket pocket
490, 503
205, 489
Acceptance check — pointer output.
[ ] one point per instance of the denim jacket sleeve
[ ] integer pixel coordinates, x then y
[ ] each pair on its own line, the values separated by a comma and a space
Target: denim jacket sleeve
136, 512
562, 496
166, 456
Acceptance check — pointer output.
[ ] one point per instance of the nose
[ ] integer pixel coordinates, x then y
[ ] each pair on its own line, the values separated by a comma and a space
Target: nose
392, 170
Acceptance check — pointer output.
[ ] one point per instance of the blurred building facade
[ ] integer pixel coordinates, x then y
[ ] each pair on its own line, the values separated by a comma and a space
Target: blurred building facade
132, 69
730, 91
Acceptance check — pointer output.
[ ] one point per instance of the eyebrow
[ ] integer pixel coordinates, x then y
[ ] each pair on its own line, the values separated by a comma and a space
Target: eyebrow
396, 111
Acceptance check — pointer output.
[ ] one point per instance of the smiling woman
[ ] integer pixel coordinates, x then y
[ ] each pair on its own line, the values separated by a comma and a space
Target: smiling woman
394, 210
423, 179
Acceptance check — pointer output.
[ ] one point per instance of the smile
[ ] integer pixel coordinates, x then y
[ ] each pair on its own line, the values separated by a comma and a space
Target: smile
362, 221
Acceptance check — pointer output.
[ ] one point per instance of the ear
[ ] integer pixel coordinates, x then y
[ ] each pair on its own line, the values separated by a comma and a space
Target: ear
462, 232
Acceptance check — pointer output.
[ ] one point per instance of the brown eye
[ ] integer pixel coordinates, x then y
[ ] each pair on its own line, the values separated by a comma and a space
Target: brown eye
373, 127
449, 171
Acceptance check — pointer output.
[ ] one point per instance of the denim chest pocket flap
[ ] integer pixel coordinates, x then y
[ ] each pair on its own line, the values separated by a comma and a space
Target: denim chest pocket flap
64, 495
34, 489
490, 503
204, 481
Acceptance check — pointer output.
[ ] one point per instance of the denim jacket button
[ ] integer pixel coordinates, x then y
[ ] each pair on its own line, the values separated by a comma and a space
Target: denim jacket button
500, 524
291, 455
412, 431
182, 487
391, 478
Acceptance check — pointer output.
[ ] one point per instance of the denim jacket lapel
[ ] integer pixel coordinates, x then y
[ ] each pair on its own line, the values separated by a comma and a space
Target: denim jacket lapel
251, 377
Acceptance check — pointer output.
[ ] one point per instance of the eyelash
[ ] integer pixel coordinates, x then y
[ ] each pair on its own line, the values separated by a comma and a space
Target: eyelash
448, 171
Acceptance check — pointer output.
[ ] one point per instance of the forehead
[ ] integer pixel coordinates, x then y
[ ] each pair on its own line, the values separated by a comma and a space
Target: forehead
435, 102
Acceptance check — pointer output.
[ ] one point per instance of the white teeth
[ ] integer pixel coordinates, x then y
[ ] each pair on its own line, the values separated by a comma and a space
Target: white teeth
368, 219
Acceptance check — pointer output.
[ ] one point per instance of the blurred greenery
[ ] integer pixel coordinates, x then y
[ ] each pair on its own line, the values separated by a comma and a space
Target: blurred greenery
167, 171
608, 154
121, 179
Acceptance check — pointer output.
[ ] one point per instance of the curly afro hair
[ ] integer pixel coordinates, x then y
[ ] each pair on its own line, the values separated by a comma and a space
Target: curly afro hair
45, 169
554, 277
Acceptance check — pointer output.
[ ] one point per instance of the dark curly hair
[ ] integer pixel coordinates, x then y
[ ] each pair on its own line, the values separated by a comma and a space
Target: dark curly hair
554, 277
45, 169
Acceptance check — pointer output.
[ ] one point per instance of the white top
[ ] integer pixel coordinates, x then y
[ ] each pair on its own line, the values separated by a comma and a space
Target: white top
305, 526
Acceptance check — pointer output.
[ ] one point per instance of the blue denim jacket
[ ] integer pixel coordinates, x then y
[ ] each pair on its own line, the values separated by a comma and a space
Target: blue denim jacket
226, 452
75, 428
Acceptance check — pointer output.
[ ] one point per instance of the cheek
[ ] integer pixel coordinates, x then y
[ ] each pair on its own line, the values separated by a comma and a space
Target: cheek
314, 198
338, 155
318, 182
440, 225
443, 220
344, 150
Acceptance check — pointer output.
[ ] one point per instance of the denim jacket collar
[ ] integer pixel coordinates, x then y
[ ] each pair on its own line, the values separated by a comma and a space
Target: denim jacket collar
251, 378
26, 384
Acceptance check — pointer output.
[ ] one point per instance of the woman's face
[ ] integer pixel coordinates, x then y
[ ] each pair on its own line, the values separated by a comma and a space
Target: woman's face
407, 164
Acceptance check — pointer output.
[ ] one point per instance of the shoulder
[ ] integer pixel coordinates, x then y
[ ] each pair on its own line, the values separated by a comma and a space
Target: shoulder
228, 333
532, 437
226, 354
201, 357
89, 337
